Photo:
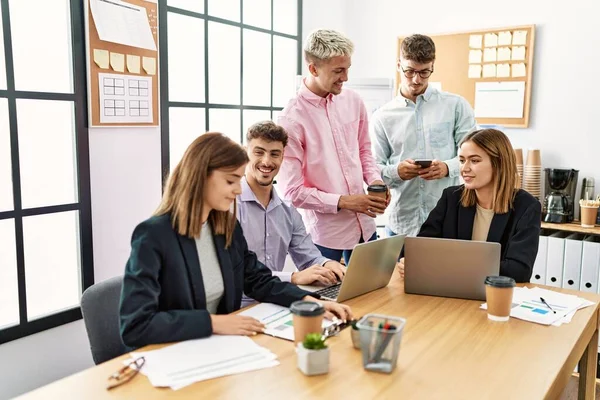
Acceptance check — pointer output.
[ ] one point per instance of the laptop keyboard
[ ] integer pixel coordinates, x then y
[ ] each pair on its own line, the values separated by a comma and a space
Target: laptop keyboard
330, 292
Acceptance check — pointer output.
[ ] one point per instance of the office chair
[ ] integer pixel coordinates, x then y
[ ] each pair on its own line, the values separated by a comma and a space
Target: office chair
100, 310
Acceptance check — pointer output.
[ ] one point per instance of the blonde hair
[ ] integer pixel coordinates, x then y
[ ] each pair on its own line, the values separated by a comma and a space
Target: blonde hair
323, 44
183, 197
504, 166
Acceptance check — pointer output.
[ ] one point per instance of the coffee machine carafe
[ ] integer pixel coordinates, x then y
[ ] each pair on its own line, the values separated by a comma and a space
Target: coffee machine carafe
560, 195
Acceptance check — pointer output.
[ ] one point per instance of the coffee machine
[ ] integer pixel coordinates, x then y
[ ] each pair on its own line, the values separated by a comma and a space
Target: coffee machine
560, 188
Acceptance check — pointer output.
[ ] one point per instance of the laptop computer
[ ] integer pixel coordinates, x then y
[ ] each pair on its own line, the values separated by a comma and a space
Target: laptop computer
449, 267
370, 267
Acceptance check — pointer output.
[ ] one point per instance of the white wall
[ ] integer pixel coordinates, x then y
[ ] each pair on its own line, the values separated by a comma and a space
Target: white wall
564, 91
126, 188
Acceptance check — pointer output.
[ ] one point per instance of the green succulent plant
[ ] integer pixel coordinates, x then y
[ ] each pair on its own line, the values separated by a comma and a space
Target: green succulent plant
314, 341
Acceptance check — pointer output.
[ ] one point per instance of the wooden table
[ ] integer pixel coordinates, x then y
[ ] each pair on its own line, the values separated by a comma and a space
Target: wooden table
450, 350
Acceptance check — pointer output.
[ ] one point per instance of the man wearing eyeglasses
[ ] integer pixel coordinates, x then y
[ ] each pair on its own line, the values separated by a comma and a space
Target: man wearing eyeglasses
421, 123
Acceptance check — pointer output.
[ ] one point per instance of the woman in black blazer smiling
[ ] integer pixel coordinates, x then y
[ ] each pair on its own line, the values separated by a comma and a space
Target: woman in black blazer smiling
488, 207
190, 263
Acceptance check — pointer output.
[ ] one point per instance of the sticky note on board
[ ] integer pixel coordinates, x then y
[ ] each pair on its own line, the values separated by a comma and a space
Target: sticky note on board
491, 40
101, 58
518, 53
474, 56
518, 70
474, 71
489, 71
504, 54
475, 41
489, 55
519, 38
133, 64
149, 65
504, 38
503, 70
117, 61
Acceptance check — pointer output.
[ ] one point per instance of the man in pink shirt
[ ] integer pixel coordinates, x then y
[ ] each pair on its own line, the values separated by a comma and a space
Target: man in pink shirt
328, 159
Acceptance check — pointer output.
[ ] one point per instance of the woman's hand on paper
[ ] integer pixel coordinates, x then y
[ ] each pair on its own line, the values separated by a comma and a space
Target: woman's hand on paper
400, 267
236, 325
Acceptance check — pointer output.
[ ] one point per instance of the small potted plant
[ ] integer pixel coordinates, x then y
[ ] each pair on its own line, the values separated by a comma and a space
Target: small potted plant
313, 355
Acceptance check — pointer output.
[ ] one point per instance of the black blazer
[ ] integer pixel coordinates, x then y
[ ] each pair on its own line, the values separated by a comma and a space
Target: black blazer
163, 297
517, 231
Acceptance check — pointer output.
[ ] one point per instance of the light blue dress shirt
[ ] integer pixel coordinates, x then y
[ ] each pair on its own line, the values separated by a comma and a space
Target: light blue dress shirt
274, 232
430, 129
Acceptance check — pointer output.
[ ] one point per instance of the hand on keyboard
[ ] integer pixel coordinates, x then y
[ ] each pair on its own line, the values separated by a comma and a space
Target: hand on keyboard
314, 274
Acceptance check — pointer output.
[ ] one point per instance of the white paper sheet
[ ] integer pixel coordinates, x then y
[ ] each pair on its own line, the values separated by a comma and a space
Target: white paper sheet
504, 54
123, 23
125, 98
518, 53
489, 71
191, 361
475, 41
504, 38
489, 55
474, 56
474, 71
277, 319
503, 70
520, 38
491, 40
499, 99
519, 70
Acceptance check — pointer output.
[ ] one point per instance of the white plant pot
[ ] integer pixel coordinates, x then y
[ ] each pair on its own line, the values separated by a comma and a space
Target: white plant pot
312, 362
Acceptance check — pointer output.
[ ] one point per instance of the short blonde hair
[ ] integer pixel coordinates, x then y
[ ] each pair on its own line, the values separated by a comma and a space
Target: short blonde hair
323, 44
504, 164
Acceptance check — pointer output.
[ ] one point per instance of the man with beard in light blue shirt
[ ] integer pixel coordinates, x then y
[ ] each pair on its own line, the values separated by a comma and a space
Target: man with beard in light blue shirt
421, 123
272, 227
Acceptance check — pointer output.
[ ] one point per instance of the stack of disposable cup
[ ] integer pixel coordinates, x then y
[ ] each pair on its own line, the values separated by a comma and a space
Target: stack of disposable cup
519, 156
532, 173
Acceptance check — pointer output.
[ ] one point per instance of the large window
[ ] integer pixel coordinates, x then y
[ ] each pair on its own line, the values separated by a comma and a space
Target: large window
225, 65
45, 224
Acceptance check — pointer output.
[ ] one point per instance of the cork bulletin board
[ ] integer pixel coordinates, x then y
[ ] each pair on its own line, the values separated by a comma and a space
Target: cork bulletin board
122, 62
491, 68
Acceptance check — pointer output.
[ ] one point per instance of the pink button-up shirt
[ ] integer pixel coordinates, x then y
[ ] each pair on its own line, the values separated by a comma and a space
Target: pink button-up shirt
328, 155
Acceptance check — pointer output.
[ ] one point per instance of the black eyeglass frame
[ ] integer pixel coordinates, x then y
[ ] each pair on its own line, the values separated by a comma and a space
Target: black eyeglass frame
410, 73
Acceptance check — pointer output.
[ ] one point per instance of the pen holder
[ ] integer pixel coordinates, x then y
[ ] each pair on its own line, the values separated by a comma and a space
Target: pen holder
380, 337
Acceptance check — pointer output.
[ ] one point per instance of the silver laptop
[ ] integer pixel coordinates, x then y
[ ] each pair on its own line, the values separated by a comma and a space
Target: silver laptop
449, 267
370, 267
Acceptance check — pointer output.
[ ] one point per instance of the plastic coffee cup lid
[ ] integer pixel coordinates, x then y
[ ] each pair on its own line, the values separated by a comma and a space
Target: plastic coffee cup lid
307, 308
377, 188
500, 281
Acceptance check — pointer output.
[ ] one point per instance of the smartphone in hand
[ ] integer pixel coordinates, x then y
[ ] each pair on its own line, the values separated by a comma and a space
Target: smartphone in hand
423, 163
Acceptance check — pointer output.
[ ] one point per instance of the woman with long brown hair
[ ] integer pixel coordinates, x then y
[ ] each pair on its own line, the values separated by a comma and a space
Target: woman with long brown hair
487, 207
190, 263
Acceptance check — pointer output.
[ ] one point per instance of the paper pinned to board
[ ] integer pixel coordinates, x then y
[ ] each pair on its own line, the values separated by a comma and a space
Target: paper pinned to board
474, 71
133, 63
519, 38
518, 53
475, 56
504, 54
503, 70
519, 70
149, 65
504, 38
491, 40
499, 99
489, 71
475, 41
117, 61
122, 23
101, 58
489, 55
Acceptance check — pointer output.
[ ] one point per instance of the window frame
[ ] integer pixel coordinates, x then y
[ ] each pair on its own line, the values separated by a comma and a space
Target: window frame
83, 205
165, 103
